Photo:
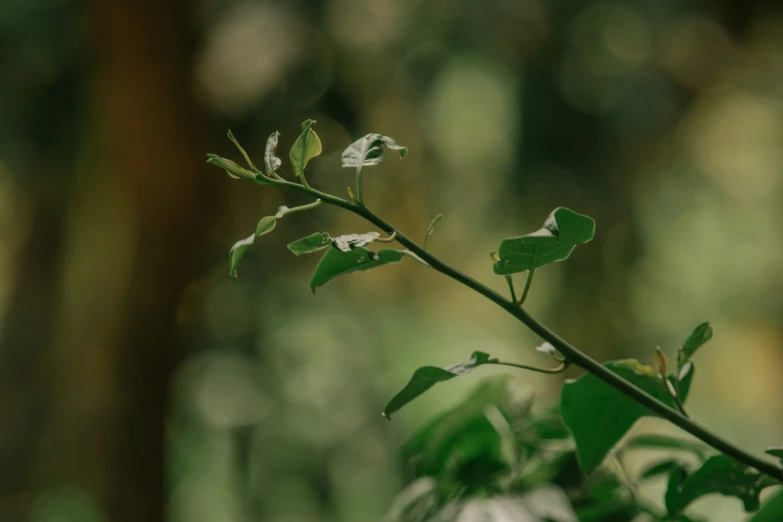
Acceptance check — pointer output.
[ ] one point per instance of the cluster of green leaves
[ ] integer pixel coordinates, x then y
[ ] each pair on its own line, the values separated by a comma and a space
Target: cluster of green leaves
344, 254
484, 457
496, 459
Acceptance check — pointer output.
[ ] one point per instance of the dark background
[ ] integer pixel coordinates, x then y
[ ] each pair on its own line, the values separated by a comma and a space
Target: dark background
137, 378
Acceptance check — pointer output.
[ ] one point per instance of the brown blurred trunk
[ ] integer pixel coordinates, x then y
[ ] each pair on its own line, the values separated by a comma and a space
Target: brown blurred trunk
25, 343
144, 52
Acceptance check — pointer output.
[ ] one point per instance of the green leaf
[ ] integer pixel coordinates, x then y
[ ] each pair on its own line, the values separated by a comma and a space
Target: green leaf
306, 147
271, 161
231, 168
265, 225
428, 376
335, 263
656, 441
700, 335
665, 467
599, 416
236, 253
775, 452
562, 231
719, 474
431, 228
686, 377
310, 243
368, 150
348, 242
771, 511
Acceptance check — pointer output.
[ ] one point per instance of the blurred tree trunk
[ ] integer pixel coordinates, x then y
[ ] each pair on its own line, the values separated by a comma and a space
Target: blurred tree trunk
144, 52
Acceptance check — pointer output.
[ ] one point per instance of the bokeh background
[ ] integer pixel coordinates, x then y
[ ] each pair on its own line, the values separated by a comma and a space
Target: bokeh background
137, 378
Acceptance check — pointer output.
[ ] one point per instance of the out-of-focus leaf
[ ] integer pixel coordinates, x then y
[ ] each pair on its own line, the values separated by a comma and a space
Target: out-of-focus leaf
599, 416
335, 263
656, 441
431, 229
562, 231
491, 392
348, 242
271, 161
416, 503
719, 474
664, 467
428, 376
496, 509
306, 147
368, 150
549, 503
771, 511
700, 335
311, 243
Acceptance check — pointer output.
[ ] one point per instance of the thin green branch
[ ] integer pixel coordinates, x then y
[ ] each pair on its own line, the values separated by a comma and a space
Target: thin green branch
389, 239
511, 288
552, 371
528, 282
571, 353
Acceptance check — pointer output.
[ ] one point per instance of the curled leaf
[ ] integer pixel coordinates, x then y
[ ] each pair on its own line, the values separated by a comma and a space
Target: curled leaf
368, 150
551, 351
231, 168
431, 228
348, 242
271, 161
700, 335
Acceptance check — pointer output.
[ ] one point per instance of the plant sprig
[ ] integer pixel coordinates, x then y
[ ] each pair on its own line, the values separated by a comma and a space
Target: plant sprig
642, 391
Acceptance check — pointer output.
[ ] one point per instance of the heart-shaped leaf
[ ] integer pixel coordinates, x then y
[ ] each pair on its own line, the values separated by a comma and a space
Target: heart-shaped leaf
368, 150
562, 231
719, 474
306, 147
311, 243
700, 335
335, 263
348, 242
428, 376
598, 415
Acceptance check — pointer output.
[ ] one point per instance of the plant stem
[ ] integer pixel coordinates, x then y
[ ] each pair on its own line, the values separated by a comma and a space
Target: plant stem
571, 353
558, 369
511, 288
528, 282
